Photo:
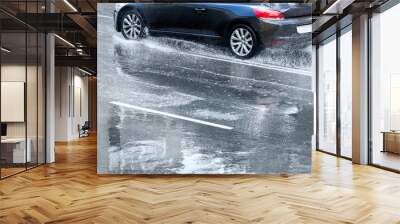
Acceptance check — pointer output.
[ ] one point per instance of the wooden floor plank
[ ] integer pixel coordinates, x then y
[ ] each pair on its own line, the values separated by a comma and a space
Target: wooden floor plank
70, 191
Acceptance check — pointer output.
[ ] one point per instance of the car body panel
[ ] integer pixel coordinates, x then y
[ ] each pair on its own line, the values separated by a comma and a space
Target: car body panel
217, 19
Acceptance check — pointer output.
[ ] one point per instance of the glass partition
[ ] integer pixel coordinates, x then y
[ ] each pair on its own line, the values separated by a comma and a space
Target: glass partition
14, 153
22, 78
327, 96
346, 93
385, 89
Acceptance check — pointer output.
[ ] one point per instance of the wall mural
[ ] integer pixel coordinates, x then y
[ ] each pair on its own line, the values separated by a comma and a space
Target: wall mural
204, 88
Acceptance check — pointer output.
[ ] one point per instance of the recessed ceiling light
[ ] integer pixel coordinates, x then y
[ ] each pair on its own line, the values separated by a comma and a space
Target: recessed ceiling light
5, 50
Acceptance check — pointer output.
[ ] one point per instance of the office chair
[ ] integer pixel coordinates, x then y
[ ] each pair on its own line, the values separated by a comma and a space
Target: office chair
84, 130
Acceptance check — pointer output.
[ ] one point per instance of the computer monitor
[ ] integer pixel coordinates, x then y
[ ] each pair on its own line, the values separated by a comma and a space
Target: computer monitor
3, 129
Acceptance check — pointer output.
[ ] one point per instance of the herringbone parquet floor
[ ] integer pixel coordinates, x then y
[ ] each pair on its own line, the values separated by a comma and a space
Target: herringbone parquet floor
70, 191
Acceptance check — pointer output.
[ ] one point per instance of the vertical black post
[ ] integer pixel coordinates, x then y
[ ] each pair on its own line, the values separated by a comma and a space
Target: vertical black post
73, 91
69, 92
369, 96
26, 86
317, 97
37, 89
338, 81
1, 53
45, 86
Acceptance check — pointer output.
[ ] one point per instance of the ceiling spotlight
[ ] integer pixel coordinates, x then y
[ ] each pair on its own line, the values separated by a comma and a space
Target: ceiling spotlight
5, 50
337, 7
64, 40
84, 71
79, 51
70, 5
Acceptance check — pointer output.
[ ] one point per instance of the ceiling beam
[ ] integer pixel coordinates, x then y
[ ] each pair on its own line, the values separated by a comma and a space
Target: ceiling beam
337, 7
79, 61
86, 27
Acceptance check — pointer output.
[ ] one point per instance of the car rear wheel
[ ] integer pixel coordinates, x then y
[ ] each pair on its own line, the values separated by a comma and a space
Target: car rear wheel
243, 41
132, 26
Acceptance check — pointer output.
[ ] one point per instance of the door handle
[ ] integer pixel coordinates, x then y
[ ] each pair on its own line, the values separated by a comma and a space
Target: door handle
200, 9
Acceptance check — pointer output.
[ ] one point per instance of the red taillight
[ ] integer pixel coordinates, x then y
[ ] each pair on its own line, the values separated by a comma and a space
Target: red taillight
263, 13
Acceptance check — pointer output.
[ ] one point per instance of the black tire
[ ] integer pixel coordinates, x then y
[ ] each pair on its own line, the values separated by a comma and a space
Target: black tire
132, 25
241, 41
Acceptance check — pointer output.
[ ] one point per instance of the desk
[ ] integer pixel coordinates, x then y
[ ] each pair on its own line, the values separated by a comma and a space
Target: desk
16, 147
391, 141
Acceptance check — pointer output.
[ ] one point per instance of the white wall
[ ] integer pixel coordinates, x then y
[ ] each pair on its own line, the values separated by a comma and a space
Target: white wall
80, 104
71, 102
34, 125
17, 73
61, 103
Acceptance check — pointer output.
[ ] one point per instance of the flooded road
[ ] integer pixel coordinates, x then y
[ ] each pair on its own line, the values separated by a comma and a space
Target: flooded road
168, 105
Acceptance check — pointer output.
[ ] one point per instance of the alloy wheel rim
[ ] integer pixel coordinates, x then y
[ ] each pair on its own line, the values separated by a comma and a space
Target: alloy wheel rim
241, 41
132, 26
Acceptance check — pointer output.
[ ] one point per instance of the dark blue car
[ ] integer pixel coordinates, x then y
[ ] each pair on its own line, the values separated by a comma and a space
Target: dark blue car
245, 28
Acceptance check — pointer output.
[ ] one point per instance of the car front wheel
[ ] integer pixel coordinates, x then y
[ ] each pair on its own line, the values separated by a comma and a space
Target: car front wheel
243, 41
132, 26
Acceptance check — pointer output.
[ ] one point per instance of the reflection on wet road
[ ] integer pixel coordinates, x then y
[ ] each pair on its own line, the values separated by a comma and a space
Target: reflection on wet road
175, 106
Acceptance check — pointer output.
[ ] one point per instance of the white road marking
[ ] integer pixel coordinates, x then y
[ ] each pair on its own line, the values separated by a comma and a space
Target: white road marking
103, 16
171, 115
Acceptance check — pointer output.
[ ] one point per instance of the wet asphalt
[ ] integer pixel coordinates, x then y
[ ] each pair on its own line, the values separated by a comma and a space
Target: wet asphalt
168, 105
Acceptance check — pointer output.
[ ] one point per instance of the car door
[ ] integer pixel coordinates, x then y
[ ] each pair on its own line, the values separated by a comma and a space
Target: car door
205, 19
164, 17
